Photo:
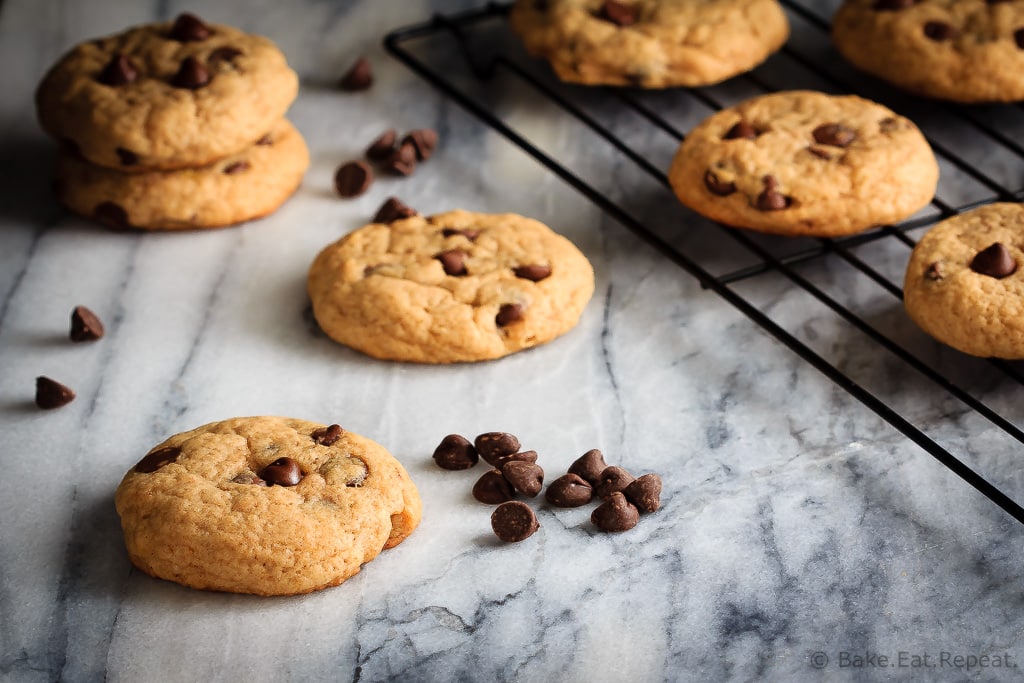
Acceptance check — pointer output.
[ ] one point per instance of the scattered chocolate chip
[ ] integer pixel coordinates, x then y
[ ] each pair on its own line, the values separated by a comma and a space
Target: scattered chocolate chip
423, 141
470, 235
111, 215
455, 452
893, 4
535, 272
192, 75
392, 210
248, 478
615, 514
525, 477
358, 77
834, 134
613, 478
265, 140
618, 13
402, 160
939, 31
352, 179
521, 456
383, 147
589, 466
127, 157
493, 445
224, 54
157, 459
1018, 38
514, 521
644, 492
326, 436
283, 472
492, 488
716, 186
994, 261
934, 272
188, 27
508, 314
771, 199
236, 167
85, 325
741, 131
569, 491
52, 394
453, 261
119, 71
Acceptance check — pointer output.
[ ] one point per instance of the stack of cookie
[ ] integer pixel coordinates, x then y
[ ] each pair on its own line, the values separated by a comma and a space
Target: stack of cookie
173, 125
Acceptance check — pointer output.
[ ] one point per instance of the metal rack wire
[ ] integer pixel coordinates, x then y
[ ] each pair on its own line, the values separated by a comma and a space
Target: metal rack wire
461, 54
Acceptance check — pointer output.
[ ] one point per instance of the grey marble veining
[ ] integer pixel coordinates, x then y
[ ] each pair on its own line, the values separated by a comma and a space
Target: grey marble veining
796, 524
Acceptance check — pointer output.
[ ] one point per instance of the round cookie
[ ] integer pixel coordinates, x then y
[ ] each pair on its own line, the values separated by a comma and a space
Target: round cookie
966, 292
241, 187
650, 43
166, 95
804, 163
454, 287
202, 508
966, 51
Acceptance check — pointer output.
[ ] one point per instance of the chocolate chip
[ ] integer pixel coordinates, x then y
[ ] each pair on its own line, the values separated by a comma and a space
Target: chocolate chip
223, 54
352, 179
111, 215
392, 210
741, 131
455, 452
492, 488
157, 459
521, 456
119, 71
423, 140
569, 491
453, 261
535, 272
1018, 38
644, 492
834, 134
470, 235
618, 13
612, 479
514, 521
994, 261
248, 478
615, 514
525, 477
85, 325
188, 27
771, 199
192, 75
589, 466
127, 157
893, 4
358, 77
508, 314
265, 140
52, 394
717, 186
402, 160
820, 153
939, 31
934, 272
326, 436
283, 472
383, 147
493, 445
236, 167
889, 124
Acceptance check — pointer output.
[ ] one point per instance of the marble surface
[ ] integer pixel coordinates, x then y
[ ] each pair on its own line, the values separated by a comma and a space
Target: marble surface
801, 537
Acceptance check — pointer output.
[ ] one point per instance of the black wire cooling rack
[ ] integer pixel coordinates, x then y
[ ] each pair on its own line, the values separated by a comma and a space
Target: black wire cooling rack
833, 302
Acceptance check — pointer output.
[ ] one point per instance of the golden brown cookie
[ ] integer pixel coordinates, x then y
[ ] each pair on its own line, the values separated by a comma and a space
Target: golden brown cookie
803, 163
454, 287
650, 43
241, 187
962, 50
964, 283
264, 505
166, 95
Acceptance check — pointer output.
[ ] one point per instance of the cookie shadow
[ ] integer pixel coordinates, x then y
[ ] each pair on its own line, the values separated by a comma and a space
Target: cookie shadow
26, 174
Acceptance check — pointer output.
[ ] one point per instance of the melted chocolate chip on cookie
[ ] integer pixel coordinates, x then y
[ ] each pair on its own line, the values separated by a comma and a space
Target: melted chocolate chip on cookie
119, 71
157, 459
834, 134
189, 28
508, 314
994, 261
327, 435
741, 131
535, 272
192, 75
717, 186
283, 472
453, 261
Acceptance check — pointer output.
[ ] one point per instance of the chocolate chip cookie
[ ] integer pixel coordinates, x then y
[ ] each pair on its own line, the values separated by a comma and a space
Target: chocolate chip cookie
166, 95
241, 187
964, 283
264, 505
650, 43
966, 51
804, 163
455, 287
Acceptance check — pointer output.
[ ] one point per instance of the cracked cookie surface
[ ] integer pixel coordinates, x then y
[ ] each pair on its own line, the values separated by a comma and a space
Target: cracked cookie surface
454, 287
145, 99
804, 163
964, 284
203, 509
650, 43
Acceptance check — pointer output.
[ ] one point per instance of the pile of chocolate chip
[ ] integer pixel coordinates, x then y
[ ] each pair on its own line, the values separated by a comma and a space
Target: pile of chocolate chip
85, 326
516, 472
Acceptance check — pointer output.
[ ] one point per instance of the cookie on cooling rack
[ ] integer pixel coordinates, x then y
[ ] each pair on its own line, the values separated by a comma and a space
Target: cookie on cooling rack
650, 43
965, 51
803, 163
264, 505
454, 287
965, 282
